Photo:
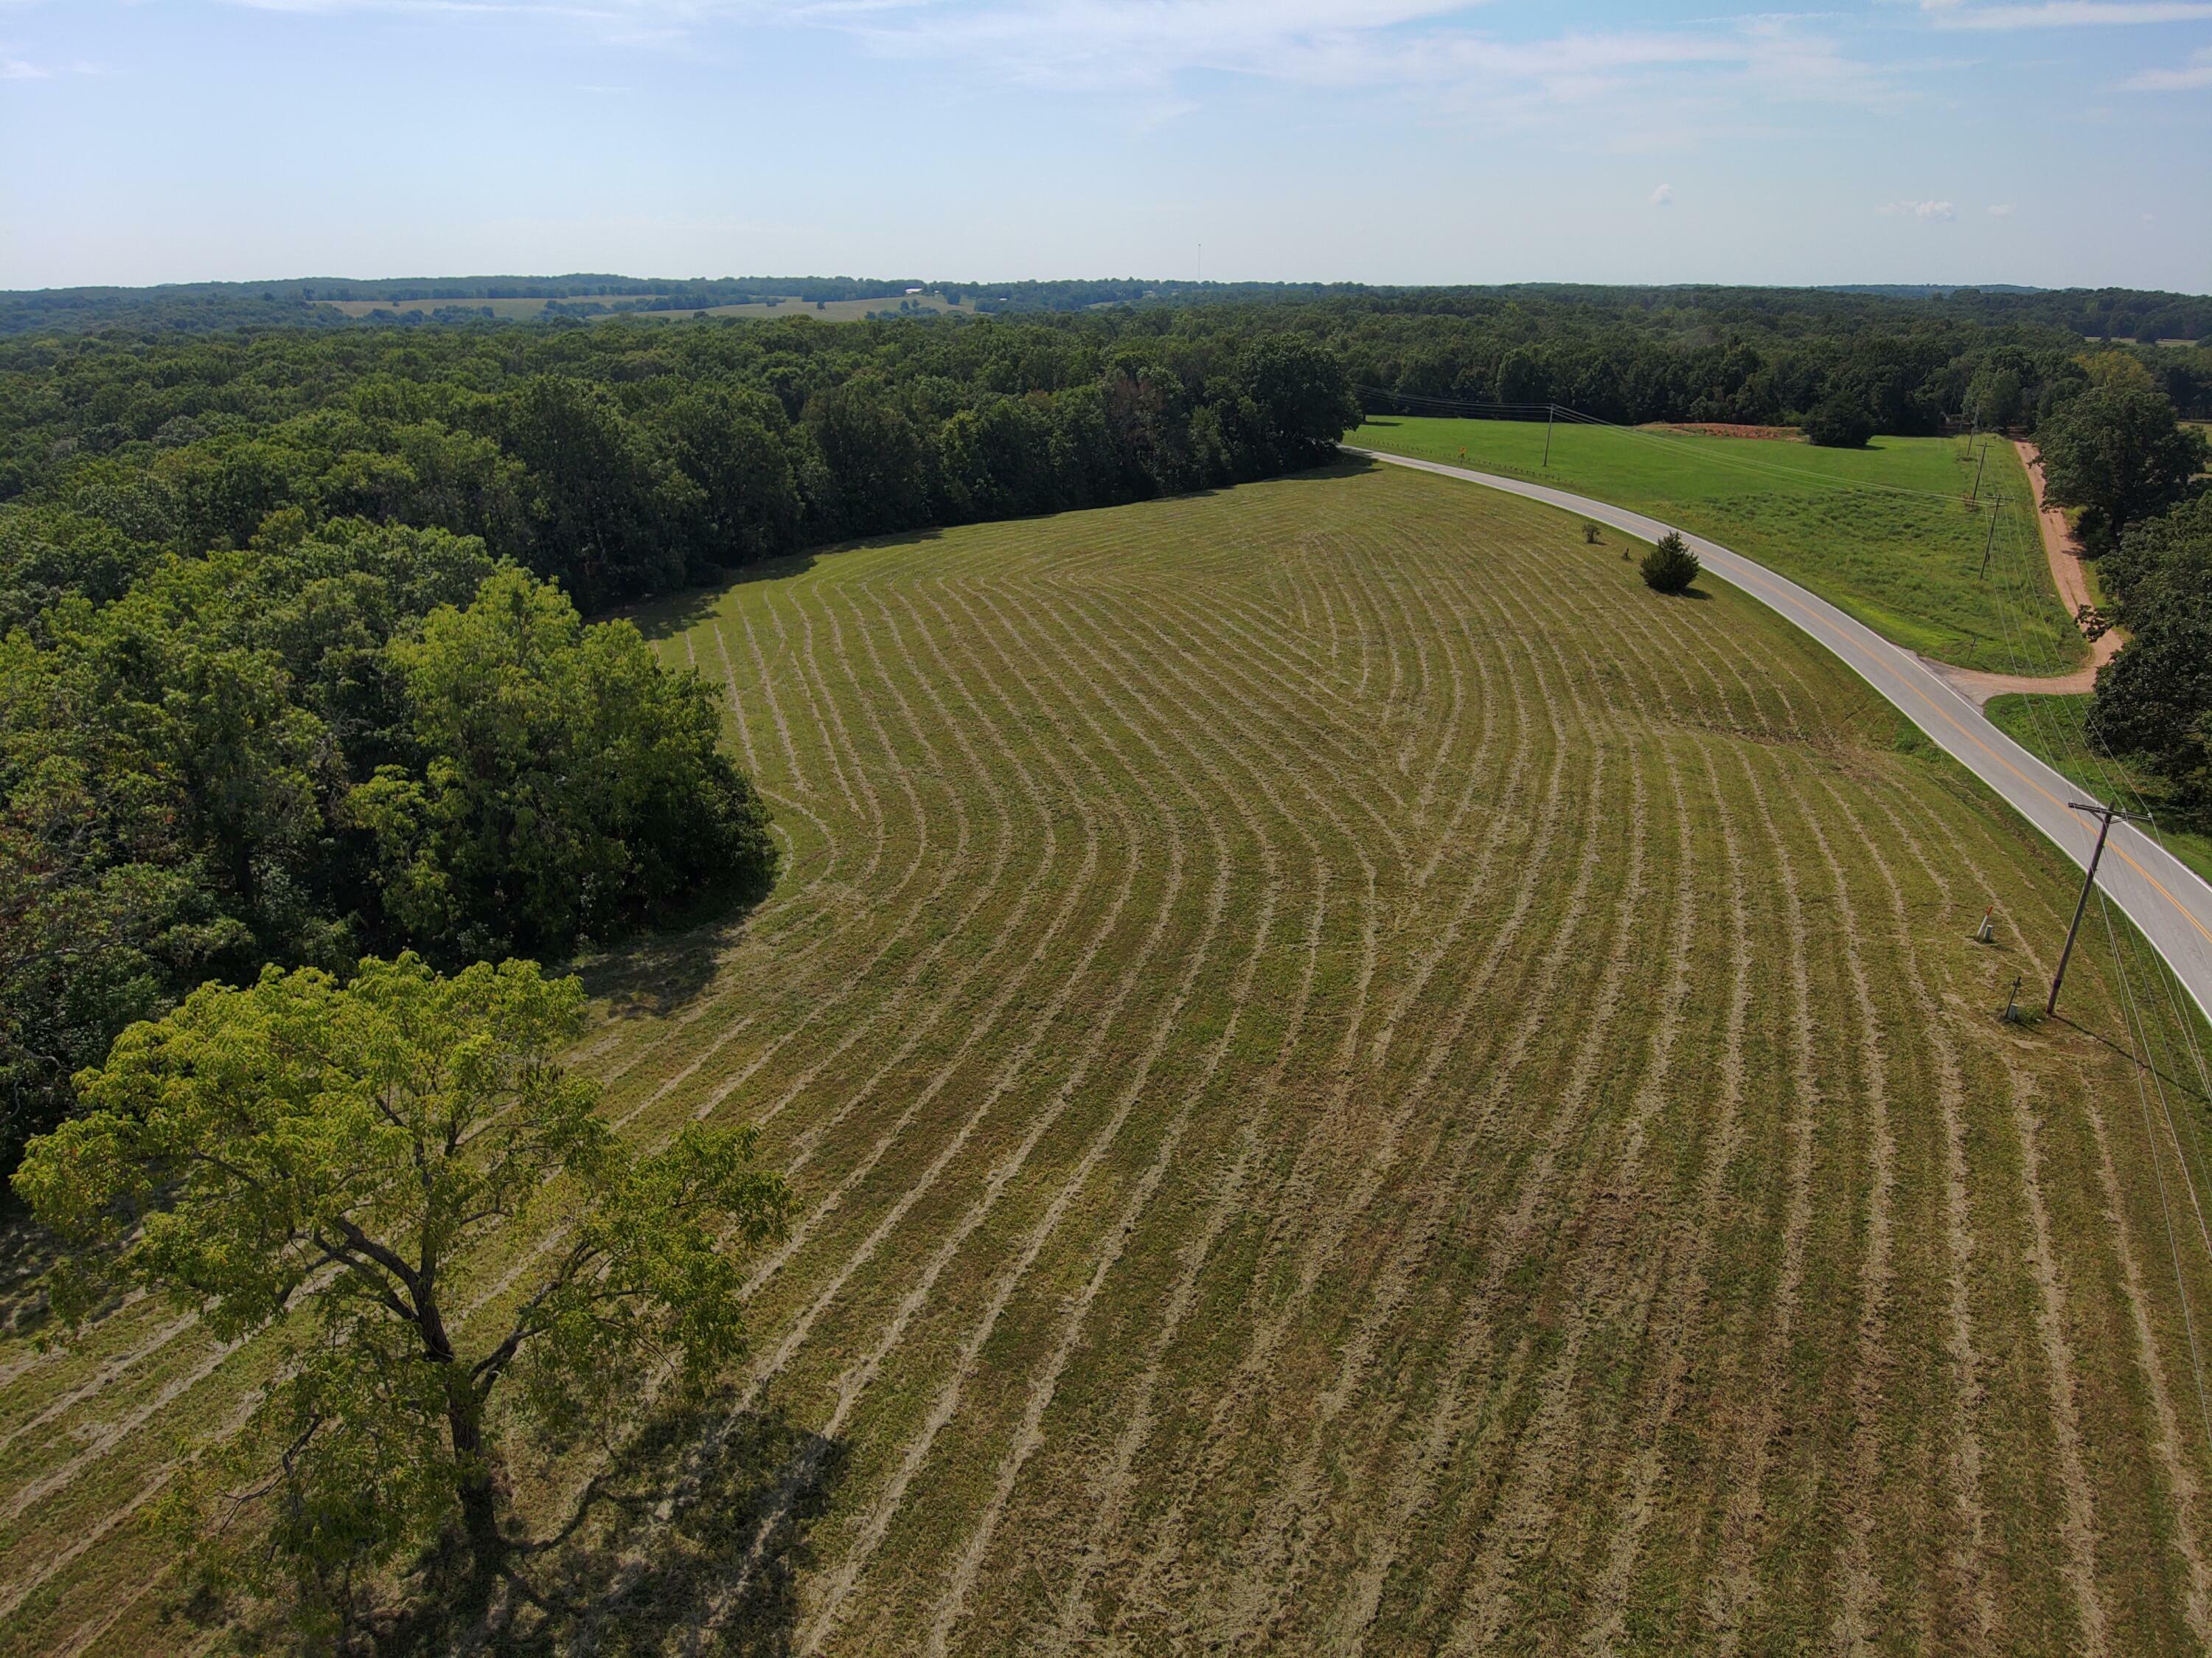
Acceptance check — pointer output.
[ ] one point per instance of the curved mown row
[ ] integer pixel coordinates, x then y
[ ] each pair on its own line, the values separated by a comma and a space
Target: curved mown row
1354, 1081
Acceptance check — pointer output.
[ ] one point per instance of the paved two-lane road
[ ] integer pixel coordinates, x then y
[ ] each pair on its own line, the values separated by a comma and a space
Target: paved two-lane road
2172, 905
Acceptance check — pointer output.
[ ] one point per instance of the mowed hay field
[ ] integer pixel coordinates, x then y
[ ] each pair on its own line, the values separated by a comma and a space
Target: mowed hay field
1884, 532
1355, 1080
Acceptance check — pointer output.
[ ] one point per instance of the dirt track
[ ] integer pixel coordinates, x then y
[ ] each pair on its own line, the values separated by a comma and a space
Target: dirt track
2065, 557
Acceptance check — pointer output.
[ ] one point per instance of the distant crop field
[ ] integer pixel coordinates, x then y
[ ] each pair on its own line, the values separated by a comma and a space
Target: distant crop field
1354, 1081
502, 307
1882, 532
835, 310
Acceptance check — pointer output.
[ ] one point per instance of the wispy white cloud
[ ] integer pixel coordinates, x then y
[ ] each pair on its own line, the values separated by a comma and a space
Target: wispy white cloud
2063, 14
1663, 196
1433, 46
1439, 47
1927, 213
2196, 77
2001, 210
18, 69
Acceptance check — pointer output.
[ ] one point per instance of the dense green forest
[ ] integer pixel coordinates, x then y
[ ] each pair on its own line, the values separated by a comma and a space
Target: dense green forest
1761, 356
295, 651
295, 662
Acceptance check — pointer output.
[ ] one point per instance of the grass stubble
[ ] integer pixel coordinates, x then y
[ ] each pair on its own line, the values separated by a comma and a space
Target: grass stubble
1354, 1081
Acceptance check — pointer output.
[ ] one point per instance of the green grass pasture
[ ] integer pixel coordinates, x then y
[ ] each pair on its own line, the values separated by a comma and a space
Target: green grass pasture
1354, 1080
1882, 532
2052, 728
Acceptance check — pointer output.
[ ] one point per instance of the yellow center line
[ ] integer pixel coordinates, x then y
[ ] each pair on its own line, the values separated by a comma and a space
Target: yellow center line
1818, 627
1778, 598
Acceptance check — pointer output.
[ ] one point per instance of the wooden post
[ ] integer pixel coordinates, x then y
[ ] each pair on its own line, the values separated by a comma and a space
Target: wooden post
2105, 815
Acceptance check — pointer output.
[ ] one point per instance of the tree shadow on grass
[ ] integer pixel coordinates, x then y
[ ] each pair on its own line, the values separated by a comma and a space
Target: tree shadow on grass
660, 974
659, 971
672, 613
694, 1539
27, 1252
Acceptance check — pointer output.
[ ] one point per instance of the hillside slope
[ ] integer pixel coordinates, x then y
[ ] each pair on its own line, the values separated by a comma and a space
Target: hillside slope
1354, 1080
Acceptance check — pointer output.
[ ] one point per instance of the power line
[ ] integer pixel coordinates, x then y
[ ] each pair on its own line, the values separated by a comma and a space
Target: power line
2105, 815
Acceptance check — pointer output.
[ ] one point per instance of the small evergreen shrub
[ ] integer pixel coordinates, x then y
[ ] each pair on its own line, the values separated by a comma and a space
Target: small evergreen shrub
1670, 566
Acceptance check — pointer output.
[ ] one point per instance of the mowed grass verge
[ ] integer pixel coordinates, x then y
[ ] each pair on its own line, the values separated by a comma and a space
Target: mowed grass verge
1355, 1080
2056, 730
1882, 532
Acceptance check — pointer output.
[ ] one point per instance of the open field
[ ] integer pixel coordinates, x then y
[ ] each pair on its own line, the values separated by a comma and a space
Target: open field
833, 310
501, 308
1881, 532
1355, 1081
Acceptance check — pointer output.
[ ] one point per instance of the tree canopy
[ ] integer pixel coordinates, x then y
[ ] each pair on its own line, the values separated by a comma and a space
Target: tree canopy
2118, 452
573, 787
319, 1157
2154, 699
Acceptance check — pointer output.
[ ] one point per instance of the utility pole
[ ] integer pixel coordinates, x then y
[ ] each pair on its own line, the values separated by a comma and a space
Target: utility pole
1550, 410
2105, 814
1988, 543
1975, 494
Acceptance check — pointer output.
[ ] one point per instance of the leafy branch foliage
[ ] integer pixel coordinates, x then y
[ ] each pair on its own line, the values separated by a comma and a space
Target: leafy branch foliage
320, 1157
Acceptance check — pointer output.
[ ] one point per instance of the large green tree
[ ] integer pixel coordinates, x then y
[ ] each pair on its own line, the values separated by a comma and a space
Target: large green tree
2118, 452
2154, 699
572, 786
1302, 397
606, 497
320, 1157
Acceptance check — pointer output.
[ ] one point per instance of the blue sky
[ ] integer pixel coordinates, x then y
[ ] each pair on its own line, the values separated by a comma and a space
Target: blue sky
2052, 142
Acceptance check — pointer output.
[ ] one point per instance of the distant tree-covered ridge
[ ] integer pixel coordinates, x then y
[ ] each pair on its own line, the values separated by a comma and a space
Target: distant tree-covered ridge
2119, 314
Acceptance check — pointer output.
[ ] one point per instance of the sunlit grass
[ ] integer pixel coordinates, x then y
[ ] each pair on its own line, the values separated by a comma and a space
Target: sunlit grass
1882, 532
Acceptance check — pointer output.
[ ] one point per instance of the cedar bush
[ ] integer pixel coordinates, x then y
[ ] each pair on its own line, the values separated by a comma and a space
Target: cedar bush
1670, 566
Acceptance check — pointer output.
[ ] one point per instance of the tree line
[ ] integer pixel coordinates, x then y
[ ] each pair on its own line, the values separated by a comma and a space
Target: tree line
296, 663
2119, 456
1738, 361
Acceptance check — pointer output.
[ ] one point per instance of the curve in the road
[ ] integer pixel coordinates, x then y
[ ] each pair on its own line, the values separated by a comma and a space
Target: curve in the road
2166, 900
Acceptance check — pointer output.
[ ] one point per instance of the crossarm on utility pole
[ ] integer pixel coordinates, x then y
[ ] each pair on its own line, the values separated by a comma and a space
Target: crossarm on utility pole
2105, 815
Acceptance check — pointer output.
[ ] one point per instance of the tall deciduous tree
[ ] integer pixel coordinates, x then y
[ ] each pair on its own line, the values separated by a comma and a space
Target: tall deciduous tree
2117, 452
1304, 399
573, 787
2154, 699
319, 1157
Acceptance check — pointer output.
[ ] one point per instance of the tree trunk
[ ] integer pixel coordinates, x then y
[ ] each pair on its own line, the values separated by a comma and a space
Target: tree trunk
479, 1497
473, 1473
